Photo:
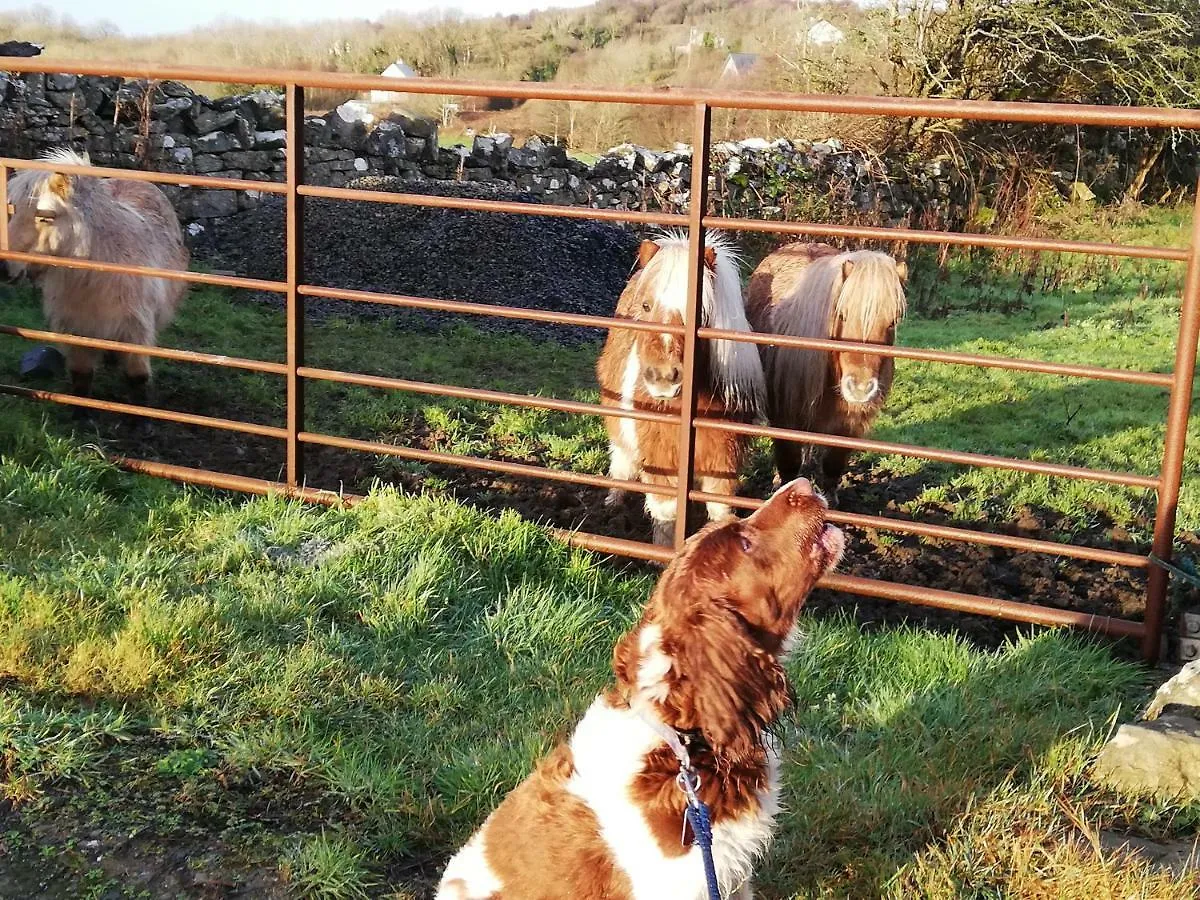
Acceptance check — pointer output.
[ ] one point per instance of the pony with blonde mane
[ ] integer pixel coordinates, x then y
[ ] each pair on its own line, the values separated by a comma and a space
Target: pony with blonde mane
104, 220
644, 370
814, 290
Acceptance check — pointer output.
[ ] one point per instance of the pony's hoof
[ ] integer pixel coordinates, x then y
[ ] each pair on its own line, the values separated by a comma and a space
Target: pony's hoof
141, 429
615, 499
664, 534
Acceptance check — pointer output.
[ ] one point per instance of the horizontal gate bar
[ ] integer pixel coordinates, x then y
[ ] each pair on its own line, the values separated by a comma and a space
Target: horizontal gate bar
1009, 610
1002, 609
229, 482
493, 206
194, 356
994, 111
1010, 363
446, 390
878, 233
478, 462
154, 177
1058, 470
148, 412
950, 533
523, 313
234, 281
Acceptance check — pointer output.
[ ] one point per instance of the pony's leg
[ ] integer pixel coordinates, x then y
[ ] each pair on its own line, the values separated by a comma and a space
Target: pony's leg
662, 511
790, 458
137, 376
137, 379
623, 465
81, 364
711, 485
833, 467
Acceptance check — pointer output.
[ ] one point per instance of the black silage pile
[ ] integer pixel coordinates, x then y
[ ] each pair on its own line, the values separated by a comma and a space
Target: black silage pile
540, 262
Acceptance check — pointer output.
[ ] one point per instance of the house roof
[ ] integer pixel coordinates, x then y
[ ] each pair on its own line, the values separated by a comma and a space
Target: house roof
399, 69
741, 60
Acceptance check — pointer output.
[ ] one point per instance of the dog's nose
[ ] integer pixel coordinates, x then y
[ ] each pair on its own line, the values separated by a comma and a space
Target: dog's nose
801, 487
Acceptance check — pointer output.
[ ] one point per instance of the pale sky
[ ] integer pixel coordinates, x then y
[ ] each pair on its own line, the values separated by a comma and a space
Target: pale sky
156, 16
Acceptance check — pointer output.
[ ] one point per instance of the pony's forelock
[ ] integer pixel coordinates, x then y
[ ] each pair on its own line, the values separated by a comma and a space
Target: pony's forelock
736, 367
67, 156
28, 182
871, 293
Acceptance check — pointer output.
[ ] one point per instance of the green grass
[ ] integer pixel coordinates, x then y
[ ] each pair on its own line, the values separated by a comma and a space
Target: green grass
401, 664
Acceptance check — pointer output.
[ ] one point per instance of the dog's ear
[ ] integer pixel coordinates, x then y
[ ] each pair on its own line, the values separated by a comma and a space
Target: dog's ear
61, 184
723, 682
646, 253
640, 665
710, 258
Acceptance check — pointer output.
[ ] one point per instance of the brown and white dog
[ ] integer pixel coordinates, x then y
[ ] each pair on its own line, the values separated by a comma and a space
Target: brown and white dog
602, 816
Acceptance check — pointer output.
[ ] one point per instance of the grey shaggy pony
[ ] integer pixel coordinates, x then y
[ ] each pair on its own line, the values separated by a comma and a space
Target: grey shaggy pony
104, 220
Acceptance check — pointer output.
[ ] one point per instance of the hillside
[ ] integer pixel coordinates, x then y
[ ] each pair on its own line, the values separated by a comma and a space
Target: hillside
614, 42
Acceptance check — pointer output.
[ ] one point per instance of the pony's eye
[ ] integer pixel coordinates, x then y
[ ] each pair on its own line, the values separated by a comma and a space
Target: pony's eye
746, 543
44, 215
645, 306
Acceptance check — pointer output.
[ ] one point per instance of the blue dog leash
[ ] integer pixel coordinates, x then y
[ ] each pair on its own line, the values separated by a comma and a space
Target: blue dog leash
696, 814
695, 811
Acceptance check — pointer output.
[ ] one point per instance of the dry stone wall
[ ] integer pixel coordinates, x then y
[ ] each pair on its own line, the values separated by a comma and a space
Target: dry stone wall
168, 127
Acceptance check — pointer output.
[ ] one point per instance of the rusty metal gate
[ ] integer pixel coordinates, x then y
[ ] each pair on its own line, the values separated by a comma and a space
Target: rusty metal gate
296, 434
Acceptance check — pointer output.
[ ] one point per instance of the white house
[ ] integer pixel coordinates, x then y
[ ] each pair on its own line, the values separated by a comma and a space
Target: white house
738, 64
825, 34
398, 69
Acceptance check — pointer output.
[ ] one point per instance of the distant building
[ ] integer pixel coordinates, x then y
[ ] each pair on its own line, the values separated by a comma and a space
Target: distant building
825, 34
738, 64
398, 69
697, 38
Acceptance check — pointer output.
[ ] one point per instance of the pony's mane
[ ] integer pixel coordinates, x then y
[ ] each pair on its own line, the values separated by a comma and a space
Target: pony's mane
871, 293
736, 367
67, 156
23, 185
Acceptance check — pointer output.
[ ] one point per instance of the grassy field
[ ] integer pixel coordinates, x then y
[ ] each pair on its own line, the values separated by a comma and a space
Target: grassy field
198, 689
340, 696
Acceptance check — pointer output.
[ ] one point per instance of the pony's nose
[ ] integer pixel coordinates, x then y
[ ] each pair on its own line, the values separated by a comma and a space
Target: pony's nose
663, 374
858, 390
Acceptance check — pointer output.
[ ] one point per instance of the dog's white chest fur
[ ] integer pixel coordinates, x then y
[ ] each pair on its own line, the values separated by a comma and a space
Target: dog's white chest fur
609, 748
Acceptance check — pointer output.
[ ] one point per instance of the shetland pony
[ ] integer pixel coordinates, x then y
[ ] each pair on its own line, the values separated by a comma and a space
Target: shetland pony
644, 370
105, 220
699, 678
814, 290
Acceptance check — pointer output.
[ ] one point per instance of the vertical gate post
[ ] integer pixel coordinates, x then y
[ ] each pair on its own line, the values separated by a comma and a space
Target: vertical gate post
4, 208
697, 208
1176, 436
294, 231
